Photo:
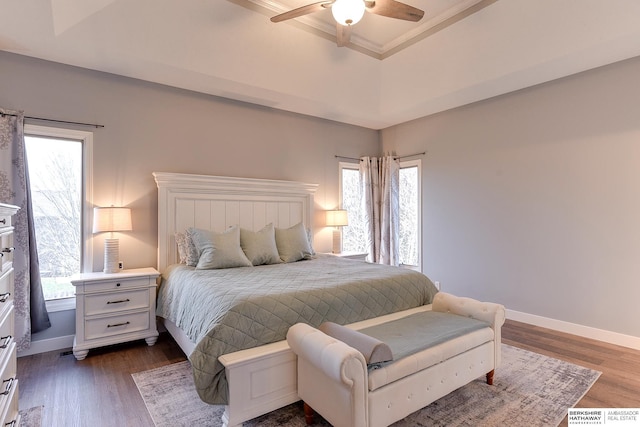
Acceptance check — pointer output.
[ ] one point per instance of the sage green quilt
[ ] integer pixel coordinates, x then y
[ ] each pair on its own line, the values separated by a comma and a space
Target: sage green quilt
232, 309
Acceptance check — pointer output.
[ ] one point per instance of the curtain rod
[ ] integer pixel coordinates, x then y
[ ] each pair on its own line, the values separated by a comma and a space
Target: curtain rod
55, 121
395, 157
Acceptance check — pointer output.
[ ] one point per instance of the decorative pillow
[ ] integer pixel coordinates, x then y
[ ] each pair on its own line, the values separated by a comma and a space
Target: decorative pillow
309, 239
181, 242
219, 250
373, 350
190, 251
293, 243
260, 246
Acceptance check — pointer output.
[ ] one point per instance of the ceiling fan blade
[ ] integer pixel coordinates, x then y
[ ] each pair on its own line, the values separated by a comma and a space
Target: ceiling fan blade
394, 9
303, 10
343, 34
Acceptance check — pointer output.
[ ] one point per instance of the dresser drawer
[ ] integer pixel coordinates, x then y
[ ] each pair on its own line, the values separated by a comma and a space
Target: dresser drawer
116, 325
116, 284
8, 371
9, 414
6, 333
116, 301
6, 249
5, 220
6, 290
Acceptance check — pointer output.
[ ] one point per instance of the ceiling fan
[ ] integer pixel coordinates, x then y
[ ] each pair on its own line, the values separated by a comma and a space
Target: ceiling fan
349, 12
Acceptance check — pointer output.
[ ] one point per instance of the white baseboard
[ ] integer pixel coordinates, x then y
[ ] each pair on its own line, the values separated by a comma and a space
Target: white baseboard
51, 344
575, 329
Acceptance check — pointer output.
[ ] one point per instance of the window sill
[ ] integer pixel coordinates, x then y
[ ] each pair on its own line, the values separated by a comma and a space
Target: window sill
61, 304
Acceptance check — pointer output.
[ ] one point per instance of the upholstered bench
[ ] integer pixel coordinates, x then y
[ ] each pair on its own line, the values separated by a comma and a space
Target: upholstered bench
393, 369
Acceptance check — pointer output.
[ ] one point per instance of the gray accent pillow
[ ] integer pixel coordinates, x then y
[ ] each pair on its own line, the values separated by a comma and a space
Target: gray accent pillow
219, 250
373, 350
260, 246
293, 243
186, 248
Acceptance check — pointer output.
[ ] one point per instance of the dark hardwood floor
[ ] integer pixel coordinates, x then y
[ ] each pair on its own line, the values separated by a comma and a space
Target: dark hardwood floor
99, 391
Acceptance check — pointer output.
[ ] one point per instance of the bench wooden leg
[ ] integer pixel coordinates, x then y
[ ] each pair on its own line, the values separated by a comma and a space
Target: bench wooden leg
308, 414
490, 377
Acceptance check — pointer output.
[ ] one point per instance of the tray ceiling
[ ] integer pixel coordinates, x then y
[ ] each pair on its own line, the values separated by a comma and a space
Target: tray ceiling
376, 36
462, 51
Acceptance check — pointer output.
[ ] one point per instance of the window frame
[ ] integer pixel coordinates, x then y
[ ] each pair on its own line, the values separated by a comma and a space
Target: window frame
418, 164
403, 164
341, 166
86, 255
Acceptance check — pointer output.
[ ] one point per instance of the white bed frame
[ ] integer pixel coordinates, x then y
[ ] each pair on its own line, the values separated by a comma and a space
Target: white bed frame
261, 379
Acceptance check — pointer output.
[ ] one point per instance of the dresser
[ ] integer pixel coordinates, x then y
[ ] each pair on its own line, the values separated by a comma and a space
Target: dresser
113, 308
9, 387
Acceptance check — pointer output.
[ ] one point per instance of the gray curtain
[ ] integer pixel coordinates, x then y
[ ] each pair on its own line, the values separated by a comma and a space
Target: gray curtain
30, 310
380, 180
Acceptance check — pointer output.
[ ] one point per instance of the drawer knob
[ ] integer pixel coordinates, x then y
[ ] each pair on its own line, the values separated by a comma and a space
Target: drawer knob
4, 297
7, 388
119, 301
118, 324
6, 340
3, 221
117, 284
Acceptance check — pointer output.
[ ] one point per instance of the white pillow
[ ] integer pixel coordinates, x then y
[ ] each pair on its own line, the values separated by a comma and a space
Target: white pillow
293, 243
219, 250
260, 246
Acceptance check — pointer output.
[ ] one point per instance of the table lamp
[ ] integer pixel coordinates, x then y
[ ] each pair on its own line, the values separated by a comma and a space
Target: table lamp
337, 218
111, 219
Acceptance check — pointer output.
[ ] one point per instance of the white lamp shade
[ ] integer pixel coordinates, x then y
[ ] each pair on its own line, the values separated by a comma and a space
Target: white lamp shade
348, 12
111, 219
337, 218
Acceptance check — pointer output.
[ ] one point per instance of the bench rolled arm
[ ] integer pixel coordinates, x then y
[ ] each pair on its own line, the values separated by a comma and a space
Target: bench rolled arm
489, 312
324, 352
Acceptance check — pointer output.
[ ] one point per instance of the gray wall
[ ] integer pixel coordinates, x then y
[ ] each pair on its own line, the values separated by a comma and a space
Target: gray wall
150, 127
532, 199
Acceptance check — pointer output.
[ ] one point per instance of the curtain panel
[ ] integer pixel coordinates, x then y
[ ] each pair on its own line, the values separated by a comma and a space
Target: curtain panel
380, 180
30, 310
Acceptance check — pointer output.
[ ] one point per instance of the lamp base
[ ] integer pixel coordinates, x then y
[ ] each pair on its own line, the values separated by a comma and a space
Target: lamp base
111, 255
337, 241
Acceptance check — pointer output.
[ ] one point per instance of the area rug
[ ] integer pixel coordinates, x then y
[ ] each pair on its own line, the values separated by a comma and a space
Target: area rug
529, 389
31, 417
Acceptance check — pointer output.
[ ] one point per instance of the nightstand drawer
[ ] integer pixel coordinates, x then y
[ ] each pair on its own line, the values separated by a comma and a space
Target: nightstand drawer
116, 325
116, 284
116, 301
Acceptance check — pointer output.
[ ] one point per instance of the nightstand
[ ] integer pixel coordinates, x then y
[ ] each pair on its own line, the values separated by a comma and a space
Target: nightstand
112, 308
360, 256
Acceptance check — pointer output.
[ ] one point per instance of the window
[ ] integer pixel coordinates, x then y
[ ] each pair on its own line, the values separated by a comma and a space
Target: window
410, 230
58, 162
353, 236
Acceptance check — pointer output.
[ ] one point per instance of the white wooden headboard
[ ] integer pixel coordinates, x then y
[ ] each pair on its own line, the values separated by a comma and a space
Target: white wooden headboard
217, 202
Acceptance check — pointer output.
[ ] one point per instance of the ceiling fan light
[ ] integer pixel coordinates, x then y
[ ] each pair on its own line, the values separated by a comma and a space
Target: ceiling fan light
347, 12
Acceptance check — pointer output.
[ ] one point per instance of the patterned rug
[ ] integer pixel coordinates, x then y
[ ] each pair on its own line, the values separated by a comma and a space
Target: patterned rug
529, 390
31, 417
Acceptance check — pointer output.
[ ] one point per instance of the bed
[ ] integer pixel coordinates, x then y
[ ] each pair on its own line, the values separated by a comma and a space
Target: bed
232, 322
